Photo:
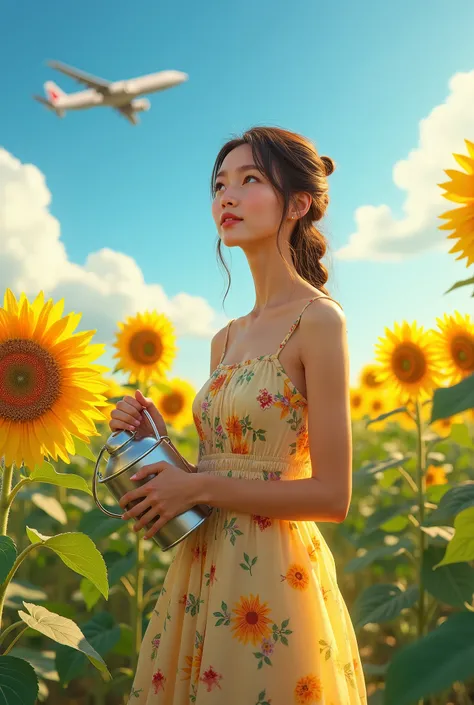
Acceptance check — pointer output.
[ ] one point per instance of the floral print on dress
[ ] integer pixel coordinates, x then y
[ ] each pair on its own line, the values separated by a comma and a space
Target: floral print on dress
250, 610
308, 690
251, 620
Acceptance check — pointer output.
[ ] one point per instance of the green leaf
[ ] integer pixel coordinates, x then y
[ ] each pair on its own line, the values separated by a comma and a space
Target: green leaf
398, 410
98, 525
79, 553
7, 556
461, 546
125, 645
83, 449
377, 554
89, 592
373, 468
47, 474
462, 282
42, 661
50, 506
454, 501
101, 632
18, 682
382, 603
433, 663
63, 631
451, 584
448, 401
384, 514
460, 435
395, 525
118, 565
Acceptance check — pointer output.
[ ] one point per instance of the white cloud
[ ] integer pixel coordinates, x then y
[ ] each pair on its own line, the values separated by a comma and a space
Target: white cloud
380, 235
107, 288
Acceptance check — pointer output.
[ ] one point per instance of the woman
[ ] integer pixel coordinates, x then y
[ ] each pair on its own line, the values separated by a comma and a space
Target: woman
250, 612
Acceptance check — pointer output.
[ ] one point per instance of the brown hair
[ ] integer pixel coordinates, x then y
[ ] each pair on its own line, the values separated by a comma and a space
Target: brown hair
291, 164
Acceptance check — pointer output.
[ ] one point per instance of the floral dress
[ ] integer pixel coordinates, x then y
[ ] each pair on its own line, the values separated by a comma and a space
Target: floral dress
250, 611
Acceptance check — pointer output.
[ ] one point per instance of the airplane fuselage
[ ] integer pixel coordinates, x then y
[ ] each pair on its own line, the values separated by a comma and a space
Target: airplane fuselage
120, 93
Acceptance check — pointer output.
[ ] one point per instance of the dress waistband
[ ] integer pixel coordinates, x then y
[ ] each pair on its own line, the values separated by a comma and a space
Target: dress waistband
252, 466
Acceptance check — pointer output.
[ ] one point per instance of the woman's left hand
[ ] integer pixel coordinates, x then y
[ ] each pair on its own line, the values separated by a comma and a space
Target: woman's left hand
170, 493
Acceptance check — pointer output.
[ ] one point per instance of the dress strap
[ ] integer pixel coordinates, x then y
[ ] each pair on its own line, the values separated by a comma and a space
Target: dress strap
296, 323
224, 350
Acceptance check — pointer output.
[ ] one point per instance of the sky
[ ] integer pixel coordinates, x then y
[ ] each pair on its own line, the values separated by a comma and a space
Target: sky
117, 219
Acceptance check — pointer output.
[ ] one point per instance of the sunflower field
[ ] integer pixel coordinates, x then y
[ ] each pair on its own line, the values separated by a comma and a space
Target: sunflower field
75, 595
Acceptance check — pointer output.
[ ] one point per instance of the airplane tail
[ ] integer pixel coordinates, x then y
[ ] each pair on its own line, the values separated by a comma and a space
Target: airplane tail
53, 94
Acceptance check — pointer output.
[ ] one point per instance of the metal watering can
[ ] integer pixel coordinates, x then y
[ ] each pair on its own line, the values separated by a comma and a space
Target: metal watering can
127, 456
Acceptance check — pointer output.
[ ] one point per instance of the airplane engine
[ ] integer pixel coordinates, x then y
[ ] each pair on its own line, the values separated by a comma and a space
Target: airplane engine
141, 104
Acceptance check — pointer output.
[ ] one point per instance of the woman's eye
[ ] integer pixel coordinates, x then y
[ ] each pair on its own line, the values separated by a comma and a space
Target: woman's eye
218, 184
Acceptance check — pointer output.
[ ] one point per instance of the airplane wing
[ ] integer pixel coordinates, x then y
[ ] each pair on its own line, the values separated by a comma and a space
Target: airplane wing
128, 112
100, 84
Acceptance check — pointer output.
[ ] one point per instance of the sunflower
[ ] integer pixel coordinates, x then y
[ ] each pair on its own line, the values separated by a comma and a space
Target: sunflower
368, 377
461, 190
455, 345
408, 361
308, 690
49, 390
251, 621
175, 403
442, 426
112, 391
435, 475
146, 346
357, 403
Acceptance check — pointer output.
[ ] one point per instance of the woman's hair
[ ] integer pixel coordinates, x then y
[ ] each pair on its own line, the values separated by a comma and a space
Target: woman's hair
291, 164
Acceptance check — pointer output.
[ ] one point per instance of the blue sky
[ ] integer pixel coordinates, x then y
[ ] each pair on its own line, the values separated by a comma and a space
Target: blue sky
356, 78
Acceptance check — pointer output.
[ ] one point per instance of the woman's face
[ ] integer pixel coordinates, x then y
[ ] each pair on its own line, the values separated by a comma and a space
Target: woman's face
241, 190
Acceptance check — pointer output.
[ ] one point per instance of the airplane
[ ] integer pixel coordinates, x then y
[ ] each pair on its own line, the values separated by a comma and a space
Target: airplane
120, 95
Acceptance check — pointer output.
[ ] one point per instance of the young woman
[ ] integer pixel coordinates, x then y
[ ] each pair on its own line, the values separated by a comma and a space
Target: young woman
250, 612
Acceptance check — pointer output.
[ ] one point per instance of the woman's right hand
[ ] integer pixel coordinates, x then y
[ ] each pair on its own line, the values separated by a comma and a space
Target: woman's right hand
128, 414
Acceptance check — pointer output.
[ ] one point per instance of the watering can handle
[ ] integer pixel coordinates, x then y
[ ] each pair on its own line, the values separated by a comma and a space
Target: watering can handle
96, 469
94, 488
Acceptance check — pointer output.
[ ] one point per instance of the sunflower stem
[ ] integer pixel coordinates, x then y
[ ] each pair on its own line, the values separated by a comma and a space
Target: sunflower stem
421, 486
5, 502
9, 629
6, 582
18, 636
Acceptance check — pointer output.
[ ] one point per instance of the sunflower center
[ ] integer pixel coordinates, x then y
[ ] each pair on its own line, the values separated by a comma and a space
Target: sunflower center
251, 617
409, 363
172, 403
377, 405
145, 347
299, 576
30, 380
370, 380
462, 350
356, 401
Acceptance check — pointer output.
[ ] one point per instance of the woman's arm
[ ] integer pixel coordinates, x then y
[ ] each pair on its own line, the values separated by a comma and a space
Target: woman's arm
326, 495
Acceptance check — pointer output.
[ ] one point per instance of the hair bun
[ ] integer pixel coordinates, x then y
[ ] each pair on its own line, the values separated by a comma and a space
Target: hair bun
329, 165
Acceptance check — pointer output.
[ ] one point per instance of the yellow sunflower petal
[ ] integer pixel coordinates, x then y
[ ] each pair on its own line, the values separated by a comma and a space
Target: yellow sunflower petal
47, 386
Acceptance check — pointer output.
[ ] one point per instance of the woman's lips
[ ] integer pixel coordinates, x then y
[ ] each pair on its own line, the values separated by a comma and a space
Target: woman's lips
230, 223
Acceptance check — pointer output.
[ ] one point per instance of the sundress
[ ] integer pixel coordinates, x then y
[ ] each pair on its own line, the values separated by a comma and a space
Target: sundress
250, 612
